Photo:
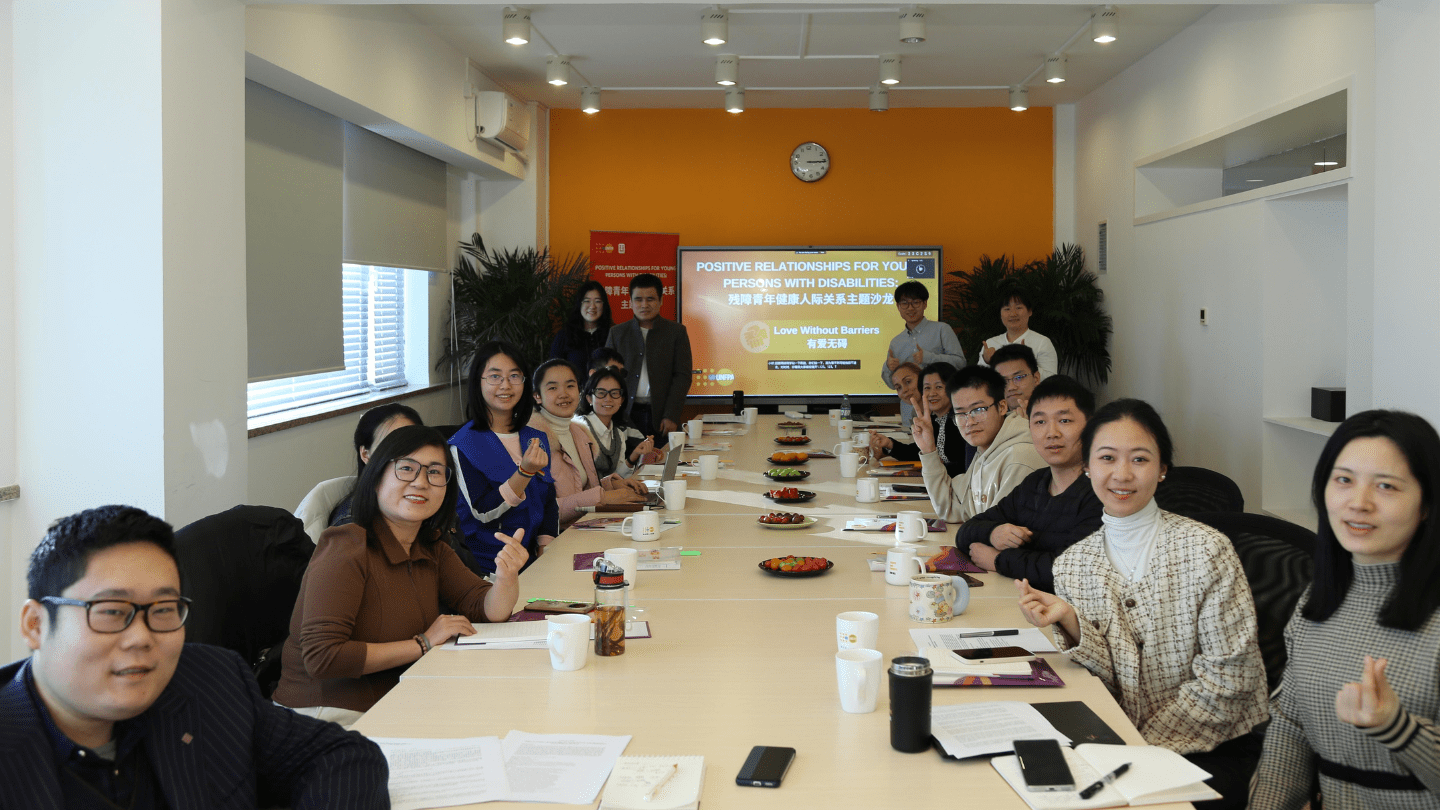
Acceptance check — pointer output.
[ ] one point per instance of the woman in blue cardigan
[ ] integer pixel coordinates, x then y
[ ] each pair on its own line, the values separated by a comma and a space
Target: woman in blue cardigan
504, 465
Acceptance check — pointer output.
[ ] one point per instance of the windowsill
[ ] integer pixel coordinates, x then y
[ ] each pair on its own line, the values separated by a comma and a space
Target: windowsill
295, 417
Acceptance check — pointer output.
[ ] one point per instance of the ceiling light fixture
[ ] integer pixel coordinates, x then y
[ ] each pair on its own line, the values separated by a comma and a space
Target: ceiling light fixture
735, 99
1107, 25
557, 69
590, 100
714, 26
1324, 161
879, 99
889, 68
912, 25
727, 69
1055, 68
517, 25
1019, 98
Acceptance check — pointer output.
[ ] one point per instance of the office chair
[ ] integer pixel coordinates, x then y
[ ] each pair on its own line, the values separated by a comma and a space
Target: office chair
1191, 490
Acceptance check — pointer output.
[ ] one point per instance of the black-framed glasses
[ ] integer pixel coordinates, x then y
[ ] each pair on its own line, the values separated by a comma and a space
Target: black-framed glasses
910, 303
977, 414
608, 393
1018, 378
114, 615
495, 379
408, 469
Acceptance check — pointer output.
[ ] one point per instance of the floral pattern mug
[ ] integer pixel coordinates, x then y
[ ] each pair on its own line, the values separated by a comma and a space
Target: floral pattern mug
937, 598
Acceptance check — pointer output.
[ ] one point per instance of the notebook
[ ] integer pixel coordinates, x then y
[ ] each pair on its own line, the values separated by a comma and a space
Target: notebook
1156, 776
633, 777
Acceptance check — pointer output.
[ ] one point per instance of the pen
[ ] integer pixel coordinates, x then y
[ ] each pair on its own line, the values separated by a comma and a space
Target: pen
986, 633
1104, 780
650, 794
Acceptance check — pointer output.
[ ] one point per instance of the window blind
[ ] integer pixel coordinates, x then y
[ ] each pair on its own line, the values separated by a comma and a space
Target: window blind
395, 204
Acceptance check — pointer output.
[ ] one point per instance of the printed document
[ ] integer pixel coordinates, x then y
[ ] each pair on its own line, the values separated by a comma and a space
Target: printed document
973, 729
443, 773
564, 768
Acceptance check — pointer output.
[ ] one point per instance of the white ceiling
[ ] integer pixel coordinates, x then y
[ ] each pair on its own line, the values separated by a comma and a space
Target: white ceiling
657, 47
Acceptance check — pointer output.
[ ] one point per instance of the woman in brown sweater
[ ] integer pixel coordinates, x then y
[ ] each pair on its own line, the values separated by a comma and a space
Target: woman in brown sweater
373, 596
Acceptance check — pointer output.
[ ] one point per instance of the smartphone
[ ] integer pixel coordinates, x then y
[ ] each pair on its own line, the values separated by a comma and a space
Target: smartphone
557, 606
1043, 765
765, 767
995, 655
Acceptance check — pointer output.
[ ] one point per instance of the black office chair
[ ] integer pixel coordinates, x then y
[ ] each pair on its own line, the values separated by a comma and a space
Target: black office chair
1191, 490
243, 568
1279, 561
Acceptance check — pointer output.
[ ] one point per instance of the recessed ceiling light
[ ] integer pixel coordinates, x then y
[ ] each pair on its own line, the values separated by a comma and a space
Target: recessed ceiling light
517, 25
912, 25
557, 69
714, 26
1107, 25
889, 68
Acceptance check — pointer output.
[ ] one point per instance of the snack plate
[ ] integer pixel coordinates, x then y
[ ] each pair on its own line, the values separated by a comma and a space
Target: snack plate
792, 440
801, 475
805, 495
771, 460
809, 521
795, 574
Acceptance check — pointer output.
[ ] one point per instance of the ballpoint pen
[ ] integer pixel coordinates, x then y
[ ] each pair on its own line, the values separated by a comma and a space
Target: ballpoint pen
1104, 780
987, 633
650, 794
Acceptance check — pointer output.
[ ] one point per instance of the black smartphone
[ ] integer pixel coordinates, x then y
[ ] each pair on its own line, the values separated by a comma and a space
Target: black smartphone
995, 655
765, 767
1043, 765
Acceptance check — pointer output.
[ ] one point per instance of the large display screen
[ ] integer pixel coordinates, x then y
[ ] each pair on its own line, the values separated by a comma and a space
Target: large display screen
797, 322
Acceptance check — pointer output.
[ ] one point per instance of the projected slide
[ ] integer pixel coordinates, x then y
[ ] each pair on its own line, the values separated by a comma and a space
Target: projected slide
797, 322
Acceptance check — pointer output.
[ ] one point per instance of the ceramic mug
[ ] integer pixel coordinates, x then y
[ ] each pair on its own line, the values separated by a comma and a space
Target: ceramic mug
697, 428
910, 527
861, 439
849, 464
937, 598
677, 440
750, 415
867, 490
641, 526
857, 628
709, 467
569, 641
857, 673
674, 493
628, 559
847, 429
901, 563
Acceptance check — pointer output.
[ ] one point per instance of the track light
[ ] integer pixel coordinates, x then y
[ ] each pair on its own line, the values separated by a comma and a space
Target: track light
889, 68
517, 25
714, 26
1055, 68
735, 99
590, 100
727, 69
1019, 98
1107, 25
557, 69
912, 25
879, 99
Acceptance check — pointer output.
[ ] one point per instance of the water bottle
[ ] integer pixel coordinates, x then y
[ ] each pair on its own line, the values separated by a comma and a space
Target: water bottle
609, 613
844, 406
910, 680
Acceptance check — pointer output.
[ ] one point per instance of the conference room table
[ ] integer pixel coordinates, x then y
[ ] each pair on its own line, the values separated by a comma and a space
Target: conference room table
736, 656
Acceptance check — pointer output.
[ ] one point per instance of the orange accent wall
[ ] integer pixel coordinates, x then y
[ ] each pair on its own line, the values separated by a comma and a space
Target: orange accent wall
973, 180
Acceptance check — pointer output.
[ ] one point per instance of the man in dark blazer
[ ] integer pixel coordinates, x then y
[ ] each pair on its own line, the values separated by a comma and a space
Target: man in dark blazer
657, 359
113, 709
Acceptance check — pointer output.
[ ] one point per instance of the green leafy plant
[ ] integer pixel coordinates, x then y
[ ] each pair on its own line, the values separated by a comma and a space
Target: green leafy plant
517, 295
1065, 301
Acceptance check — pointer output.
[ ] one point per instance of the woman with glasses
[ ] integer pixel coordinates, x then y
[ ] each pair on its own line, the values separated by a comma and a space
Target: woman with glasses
502, 464
381, 592
586, 327
619, 448
577, 482
954, 452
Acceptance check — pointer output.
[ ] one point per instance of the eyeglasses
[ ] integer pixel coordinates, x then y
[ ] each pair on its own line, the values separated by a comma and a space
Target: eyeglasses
114, 615
495, 379
977, 414
1018, 378
408, 469
909, 304
608, 393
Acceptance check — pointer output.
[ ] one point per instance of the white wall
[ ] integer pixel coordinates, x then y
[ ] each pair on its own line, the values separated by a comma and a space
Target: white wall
11, 558
1209, 382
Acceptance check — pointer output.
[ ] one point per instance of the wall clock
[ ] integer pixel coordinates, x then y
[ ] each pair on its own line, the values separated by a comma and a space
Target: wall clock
809, 162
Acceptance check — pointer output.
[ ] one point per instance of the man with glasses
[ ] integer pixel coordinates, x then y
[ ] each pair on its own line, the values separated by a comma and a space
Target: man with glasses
113, 709
1021, 371
921, 342
1004, 452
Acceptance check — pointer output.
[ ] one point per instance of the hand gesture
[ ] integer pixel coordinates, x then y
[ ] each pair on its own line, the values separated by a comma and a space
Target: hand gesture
642, 450
922, 427
880, 445
1044, 609
983, 556
535, 458
919, 357
446, 627
986, 351
1371, 702
667, 426
891, 361
1008, 535
511, 557
622, 495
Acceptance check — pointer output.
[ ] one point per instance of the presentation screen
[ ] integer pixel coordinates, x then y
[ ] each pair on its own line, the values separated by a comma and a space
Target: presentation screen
797, 322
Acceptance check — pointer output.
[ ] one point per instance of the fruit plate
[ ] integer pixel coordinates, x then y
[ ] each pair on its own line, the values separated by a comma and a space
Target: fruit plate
809, 521
795, 475
789, 440
772, 460
805, 495
828, 565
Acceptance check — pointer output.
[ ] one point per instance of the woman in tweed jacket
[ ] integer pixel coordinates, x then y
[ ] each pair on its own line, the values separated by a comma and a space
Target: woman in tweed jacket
1158, 607
1359, 701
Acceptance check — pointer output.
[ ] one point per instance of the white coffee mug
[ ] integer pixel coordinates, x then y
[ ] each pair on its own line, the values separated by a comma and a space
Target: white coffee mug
849, 464
861, 439
901, 563
674, 493
910, 527
938, 598
697, 427
641, 526
677, 441
857, 674
751, 414
709, 467
568, 638
867, 490
847, 429
627, 558
857, 628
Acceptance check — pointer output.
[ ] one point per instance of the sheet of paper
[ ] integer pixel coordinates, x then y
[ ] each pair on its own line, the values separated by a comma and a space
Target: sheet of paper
504, 631
973, 729
443, 773
632, 630
1031, 638
564, 768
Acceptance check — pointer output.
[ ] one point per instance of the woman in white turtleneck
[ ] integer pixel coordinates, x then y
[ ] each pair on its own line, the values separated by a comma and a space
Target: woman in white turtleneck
557, 391
1157, 606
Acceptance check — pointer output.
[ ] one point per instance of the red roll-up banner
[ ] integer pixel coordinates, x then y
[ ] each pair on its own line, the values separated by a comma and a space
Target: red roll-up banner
618, 256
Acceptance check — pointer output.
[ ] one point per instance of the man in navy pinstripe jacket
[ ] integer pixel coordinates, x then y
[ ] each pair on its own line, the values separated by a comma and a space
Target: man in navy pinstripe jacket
113, 710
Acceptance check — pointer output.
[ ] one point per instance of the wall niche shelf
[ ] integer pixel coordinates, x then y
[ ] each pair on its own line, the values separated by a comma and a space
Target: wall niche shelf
1306, 423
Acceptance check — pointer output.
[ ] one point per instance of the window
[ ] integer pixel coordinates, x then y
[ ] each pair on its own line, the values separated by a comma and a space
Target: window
374, 324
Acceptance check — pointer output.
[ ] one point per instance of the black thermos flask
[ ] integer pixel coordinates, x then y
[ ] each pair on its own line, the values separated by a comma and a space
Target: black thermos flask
910, 681
737, 403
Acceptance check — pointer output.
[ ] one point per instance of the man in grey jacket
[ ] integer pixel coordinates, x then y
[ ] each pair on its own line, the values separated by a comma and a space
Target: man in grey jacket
657, 359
